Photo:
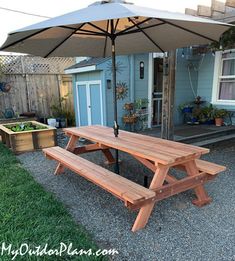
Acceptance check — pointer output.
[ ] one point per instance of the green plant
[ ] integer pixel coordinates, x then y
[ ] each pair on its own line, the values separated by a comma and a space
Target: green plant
220, 113
227, 41
204, 114
183, 106
208, 112
25, 126
61, 110
141, 103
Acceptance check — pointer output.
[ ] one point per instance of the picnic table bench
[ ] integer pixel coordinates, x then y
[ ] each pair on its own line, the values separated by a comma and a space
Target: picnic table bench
156, 154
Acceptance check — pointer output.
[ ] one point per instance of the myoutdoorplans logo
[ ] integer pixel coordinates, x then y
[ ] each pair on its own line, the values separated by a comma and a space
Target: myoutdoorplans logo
44, 250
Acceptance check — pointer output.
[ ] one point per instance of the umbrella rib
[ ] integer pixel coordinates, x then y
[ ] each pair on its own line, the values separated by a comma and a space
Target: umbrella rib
91, 32
115, 28
188, 30
64, 40
143, 28
133, 26
24, 38
148, 36
98, 28
67, 27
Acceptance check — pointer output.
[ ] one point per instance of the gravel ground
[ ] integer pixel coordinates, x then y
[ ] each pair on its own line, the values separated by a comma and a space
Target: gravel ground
177, 230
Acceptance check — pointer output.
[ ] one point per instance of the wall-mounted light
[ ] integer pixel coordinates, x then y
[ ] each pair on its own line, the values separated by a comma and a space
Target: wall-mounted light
109, 86
141, 70
182, 55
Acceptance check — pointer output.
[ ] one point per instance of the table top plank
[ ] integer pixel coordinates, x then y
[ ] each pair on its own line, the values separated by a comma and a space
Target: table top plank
154, 140
117, 143
152, 145
151, 148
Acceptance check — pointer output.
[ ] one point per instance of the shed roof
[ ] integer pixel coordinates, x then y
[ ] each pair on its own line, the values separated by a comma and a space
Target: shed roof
88, 62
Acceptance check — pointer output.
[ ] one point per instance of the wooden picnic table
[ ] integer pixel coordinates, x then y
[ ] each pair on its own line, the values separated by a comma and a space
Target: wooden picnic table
156, 154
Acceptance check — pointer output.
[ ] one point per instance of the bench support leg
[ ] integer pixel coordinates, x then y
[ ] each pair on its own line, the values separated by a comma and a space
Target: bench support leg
145, 212
70, 147
202, 196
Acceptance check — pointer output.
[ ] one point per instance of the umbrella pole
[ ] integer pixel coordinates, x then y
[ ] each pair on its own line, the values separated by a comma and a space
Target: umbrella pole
114, 80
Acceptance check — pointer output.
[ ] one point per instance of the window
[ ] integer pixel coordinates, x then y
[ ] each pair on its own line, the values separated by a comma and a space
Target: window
224, 78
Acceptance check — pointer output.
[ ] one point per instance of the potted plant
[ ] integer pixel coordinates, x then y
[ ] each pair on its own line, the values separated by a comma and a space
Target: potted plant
141, 106
208, 114
186, 108
219, 115
62, 113
130, 118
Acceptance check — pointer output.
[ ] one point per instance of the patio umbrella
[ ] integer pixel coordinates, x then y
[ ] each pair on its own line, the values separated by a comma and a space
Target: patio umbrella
113, 27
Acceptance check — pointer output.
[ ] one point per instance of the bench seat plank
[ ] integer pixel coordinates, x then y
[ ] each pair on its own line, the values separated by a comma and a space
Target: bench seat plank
121, 187
209, 167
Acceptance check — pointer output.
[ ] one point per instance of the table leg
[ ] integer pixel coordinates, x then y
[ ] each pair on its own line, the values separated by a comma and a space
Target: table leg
70, 147
145, 212
202, 196
107, 153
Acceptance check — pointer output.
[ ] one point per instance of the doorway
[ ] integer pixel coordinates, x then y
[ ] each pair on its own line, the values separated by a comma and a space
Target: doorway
157, 92
89, 103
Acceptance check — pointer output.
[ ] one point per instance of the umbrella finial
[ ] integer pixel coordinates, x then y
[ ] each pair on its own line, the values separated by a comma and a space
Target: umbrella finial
110, 2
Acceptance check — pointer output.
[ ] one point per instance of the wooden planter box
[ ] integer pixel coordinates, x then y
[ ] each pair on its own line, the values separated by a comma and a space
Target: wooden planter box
130, 119
28, 140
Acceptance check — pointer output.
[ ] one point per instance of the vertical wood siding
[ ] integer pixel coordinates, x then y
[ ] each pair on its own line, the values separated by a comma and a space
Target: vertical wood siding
36, 92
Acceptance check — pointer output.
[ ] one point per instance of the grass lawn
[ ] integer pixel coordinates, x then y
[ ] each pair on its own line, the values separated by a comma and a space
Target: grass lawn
29, 214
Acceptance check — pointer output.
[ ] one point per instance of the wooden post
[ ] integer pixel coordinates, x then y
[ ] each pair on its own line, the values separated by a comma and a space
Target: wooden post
167, 131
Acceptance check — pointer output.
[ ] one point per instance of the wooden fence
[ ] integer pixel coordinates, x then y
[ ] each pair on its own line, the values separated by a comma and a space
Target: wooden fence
37, 84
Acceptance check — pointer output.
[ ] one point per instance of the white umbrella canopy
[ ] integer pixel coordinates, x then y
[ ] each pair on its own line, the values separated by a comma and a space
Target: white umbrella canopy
86, 32
113, 27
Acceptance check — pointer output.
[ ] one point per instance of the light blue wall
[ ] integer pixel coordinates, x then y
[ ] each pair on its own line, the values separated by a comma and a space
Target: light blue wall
183, 89
123, 75
205, 77
137, 88
141, 85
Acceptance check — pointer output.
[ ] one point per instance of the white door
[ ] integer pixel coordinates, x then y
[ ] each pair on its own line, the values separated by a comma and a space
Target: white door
89, 103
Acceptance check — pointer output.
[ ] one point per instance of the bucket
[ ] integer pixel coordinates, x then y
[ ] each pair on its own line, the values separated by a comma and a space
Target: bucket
51, 122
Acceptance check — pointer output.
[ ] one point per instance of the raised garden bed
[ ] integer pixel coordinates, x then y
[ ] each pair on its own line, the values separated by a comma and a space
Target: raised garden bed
27, 136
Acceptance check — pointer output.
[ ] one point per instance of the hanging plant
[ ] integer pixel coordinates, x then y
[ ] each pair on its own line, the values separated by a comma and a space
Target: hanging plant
122, 90
227, 41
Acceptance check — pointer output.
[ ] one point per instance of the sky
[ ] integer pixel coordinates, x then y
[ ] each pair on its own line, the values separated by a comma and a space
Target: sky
10, 21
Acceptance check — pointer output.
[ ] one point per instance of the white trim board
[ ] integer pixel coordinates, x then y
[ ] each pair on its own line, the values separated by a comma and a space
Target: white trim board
150, 89
81, 69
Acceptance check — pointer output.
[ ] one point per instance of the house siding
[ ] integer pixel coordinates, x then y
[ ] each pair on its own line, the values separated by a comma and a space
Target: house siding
183, 90
123, 75
141, 85
128, 71
205, 78
205, 83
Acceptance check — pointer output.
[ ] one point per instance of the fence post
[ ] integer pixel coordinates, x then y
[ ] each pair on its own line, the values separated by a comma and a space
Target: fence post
25, 75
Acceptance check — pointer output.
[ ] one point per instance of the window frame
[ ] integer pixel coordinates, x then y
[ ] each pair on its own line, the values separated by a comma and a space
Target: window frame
218, 67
